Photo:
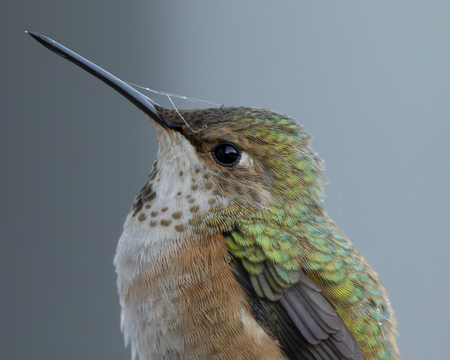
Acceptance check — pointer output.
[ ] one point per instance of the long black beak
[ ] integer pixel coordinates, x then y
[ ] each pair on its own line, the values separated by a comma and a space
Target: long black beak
138, 99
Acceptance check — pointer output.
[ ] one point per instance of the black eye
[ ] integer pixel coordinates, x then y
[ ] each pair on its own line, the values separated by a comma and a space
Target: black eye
226, 154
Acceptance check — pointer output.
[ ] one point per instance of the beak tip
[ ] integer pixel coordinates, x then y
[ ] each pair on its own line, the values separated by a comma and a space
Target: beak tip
137, 98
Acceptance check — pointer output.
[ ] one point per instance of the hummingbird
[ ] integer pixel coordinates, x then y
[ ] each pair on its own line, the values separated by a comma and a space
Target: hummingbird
228, 251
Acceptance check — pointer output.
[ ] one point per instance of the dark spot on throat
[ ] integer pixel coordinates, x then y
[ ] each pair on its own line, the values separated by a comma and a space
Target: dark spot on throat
179, 228
150, 197
177, 215
165, 222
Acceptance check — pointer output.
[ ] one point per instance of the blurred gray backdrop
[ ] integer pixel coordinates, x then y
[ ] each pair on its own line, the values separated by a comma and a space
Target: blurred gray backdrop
370, 80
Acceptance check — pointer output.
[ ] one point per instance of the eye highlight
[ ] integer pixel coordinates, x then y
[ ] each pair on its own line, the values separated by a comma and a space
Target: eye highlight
226, 154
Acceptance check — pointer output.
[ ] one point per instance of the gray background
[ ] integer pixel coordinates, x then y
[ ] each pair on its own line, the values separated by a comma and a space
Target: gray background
370, 80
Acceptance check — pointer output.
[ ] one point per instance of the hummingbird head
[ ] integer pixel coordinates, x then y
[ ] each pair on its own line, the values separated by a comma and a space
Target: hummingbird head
241, 158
